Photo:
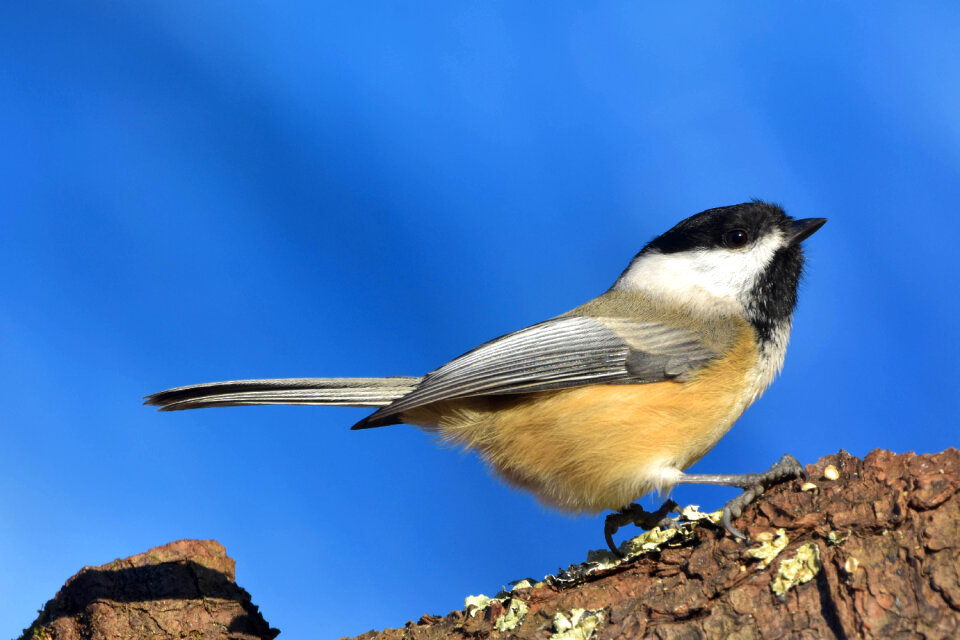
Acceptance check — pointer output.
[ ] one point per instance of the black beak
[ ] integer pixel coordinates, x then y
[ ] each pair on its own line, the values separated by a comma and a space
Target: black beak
800, 230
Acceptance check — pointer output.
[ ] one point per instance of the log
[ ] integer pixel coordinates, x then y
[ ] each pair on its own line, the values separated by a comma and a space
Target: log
866, 549
184, 589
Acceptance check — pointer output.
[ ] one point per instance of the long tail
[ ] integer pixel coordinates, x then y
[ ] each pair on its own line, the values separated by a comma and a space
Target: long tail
341, 392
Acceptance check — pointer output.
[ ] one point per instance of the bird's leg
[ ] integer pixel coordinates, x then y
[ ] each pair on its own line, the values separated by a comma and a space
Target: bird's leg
635, 514
753, 485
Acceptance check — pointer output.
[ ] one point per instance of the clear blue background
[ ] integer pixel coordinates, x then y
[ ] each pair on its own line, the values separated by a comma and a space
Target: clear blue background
219, 190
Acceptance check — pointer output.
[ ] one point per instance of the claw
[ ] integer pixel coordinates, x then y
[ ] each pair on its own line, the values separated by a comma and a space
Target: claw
635, 514
728, 525
757, 484
753, 484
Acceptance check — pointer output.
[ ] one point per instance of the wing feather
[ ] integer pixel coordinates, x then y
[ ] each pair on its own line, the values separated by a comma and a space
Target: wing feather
568, 351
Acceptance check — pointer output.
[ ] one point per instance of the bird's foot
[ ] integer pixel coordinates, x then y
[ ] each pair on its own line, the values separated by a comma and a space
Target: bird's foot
635, 514
754, 484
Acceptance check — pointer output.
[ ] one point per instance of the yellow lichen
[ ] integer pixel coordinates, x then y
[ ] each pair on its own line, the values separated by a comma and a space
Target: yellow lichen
692, 513
802, 567
473, 604
770, 547
833, 538
513, 612
850, 565
581, 625
652, 540
649, 541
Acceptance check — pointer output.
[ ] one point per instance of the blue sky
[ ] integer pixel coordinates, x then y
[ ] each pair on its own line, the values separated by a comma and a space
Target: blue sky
220, 190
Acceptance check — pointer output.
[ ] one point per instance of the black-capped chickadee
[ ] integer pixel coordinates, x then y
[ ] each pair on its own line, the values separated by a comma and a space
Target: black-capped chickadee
594, 408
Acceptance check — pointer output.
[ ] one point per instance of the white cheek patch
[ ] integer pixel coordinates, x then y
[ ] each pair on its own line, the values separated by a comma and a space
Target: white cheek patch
707, 279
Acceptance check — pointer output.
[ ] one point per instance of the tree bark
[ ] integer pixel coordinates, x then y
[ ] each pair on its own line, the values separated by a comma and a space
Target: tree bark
184, 589
866, 549
874, 553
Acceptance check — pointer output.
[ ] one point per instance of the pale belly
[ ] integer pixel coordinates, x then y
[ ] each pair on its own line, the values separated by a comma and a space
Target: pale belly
599, 447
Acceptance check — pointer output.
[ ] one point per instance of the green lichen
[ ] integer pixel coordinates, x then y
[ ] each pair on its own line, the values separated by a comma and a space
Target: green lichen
802, 567
37, 630
37, 633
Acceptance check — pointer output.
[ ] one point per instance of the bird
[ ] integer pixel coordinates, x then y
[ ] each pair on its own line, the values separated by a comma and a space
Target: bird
616, 398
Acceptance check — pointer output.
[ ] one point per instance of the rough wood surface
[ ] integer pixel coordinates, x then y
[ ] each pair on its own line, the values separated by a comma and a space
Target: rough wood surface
870, 552
184, 589
879, 548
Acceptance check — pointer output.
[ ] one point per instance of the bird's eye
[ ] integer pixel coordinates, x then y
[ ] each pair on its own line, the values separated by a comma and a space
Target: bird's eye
736, 238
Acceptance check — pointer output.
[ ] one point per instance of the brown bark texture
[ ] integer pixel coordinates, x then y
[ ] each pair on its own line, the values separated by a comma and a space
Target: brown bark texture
184, 589
863, 549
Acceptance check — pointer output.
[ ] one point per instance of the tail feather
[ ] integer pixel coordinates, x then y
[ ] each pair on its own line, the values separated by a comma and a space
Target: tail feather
341, 392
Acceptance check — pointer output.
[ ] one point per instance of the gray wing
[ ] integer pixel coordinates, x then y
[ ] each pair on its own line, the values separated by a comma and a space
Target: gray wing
569, 351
